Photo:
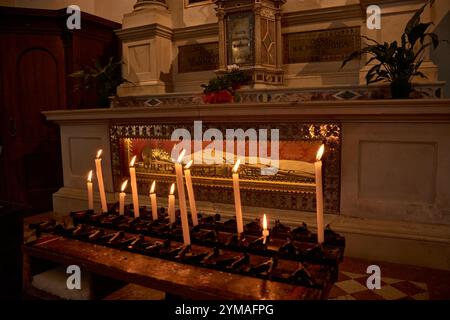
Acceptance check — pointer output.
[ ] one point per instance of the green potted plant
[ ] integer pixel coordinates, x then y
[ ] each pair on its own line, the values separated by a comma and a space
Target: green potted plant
222, 88
104, 78
398, 63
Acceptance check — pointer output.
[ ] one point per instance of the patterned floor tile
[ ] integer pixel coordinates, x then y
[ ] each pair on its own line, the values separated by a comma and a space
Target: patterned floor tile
407, 287
397, 282
353, 275
390, 293
422, 296
343, 277
389, 280
353, 284
421, 285
336, 292
362, 280
350, 286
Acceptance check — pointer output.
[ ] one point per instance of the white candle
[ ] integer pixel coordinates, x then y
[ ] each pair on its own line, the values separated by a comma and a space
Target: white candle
134, 190
265, 230
171, 207
237, 198
190, 191
182, 199
90, 192
101, 186
153, 201
319, 194
122, 196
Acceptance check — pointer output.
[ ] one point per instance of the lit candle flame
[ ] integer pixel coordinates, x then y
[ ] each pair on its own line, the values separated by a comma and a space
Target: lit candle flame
236, 166
181, 156
265, 222
124, 185
172, 188
320, 152
99, 153
152, 188
189, 164
132, 161
90, 176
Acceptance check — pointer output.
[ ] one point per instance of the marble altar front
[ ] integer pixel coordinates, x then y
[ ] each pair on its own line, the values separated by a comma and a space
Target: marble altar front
393, 178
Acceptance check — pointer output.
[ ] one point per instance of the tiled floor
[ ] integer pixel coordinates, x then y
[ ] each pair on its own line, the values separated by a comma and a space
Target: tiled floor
397, 281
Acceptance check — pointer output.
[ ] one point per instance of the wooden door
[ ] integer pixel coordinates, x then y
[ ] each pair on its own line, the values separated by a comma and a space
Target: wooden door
37, 51
33, 77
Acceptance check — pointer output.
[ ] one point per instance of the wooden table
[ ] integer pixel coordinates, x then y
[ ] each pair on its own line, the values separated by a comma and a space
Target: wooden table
182, 280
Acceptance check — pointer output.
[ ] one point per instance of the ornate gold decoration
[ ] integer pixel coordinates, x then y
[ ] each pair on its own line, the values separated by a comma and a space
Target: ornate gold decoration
250, 36
282, 192
267, 13
198, 57
321, 45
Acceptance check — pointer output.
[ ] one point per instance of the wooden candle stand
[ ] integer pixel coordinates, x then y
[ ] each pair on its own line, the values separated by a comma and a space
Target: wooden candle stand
290, 260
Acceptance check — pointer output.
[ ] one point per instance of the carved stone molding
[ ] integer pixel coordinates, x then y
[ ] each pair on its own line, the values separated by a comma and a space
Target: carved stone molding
195, 32
288, 95
145, 32
322, 15
144, 4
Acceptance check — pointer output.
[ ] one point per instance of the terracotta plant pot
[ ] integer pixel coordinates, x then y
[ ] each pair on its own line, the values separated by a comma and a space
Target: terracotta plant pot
223, 96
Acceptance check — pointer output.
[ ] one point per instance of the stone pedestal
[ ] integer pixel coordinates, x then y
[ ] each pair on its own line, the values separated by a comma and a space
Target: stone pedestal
146, 38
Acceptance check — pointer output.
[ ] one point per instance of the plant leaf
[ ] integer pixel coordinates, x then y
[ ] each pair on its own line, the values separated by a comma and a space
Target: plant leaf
415, 20
370, 39
434, 39
418, 32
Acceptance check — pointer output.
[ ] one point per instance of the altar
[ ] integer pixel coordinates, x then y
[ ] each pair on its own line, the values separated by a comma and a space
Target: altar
225, 149
238, 147
376, 139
